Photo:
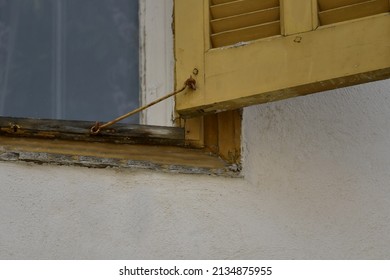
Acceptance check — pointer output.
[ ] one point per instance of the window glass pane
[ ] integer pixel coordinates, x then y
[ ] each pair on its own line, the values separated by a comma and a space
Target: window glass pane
69, 59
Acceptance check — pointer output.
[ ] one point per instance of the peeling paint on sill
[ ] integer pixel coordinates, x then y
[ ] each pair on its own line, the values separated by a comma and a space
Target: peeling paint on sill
203, 163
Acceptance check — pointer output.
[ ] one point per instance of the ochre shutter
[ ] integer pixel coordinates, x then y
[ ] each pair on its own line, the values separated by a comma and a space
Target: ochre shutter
296, 47
333, 11
234, 21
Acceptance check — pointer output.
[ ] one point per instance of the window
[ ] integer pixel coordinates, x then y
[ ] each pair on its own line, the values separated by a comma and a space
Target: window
244, 58
69, 59
124, 145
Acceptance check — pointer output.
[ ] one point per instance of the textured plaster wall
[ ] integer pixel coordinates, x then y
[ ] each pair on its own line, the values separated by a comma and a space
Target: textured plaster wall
317, 185
323, 163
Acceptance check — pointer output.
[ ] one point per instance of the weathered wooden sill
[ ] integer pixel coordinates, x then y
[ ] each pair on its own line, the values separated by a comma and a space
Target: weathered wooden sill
124, 146
80, 131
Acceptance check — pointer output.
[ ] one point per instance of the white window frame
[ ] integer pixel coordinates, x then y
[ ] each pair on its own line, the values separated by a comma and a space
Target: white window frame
156, 60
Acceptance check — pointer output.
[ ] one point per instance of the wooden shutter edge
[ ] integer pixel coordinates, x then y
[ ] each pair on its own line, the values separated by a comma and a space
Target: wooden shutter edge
277, 95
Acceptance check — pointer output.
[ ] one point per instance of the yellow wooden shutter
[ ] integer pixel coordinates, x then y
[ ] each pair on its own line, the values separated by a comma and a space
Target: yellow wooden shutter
250, 51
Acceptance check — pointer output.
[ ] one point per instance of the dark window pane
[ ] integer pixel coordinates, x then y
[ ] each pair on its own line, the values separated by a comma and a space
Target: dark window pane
69, 59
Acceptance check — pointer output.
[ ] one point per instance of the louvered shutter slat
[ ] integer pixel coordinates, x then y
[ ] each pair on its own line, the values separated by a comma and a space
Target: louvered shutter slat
243, 20
344, 10
241, 7
332, 4
246, 34
216, 2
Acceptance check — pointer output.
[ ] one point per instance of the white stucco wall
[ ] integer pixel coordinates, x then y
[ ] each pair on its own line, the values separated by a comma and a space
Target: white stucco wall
317, 185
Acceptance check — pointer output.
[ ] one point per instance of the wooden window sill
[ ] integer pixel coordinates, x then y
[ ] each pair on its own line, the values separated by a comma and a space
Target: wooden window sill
123, 146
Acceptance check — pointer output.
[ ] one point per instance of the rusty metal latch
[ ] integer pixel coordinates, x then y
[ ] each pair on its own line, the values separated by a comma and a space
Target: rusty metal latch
189, 83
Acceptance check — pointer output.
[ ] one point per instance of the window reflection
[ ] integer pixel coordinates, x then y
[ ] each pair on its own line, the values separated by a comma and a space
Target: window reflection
69, 59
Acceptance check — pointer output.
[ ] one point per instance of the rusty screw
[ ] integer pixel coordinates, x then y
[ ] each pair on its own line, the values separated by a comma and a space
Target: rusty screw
14, 127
